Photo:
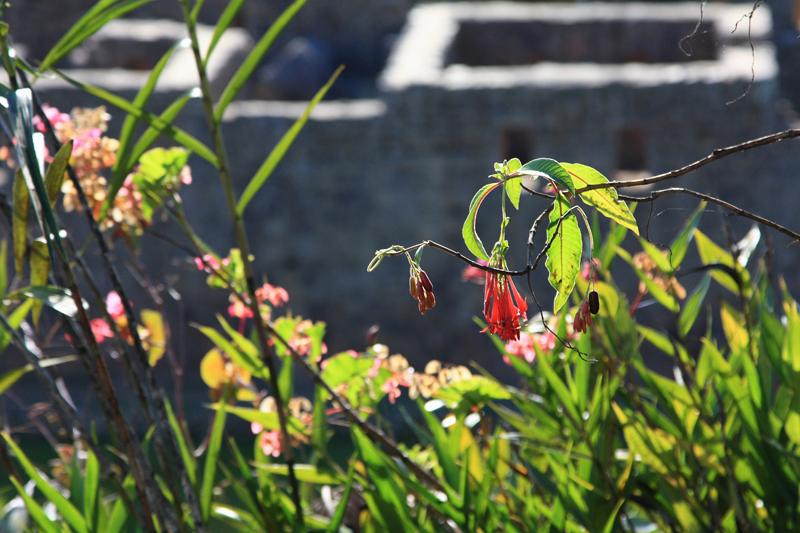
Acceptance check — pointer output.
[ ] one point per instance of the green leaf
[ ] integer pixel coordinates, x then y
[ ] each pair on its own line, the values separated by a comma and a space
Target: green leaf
564, 255
56, 298
189, 462
3, 267
210, 466
19, 222
606, 201
513, 186
469, 232
172, 131
304, 472
544, 167
158, 173
390, 502
40, 269
223, 23
67, 511
660, 257
122, 165
661, 296
138, 152
91, 489
35, 510
8, 379
95, 18
279, 150
680, 245
560, 390
657, 339
338, 516
253, 59
710, 253
56, 171
477, 390
14, 320
253, 365
692, 306
266, 420
119, 513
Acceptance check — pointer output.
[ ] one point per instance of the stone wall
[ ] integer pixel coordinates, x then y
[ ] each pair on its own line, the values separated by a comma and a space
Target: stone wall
402, 166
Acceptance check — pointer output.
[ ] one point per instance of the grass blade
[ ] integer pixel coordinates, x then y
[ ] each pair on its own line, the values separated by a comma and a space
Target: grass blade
210, 466
122, 164
223, 24
277, 153
93, 20
177, 134
253, 59
188, 459
67, 511
34, 509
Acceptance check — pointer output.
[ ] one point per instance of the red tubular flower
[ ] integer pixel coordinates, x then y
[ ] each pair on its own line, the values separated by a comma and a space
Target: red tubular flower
503, 307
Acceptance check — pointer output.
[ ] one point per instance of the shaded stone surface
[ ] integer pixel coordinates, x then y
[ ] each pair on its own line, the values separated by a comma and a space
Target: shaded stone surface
402, 166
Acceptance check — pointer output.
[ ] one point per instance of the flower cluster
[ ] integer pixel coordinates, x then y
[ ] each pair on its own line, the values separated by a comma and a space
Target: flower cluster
93, 154
528, 343
669, 283
503, 307
269, 440
151, 329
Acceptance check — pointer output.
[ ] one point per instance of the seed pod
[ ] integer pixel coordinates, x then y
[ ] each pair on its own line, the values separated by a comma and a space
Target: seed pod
594, 303
413, 287
425, 281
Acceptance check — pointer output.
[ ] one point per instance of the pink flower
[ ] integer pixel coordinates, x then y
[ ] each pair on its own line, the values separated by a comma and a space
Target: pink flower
54, 116
589, 270
114, 305
238, 309
276, 296
392, 389
207, 263
100, 329
270, 443
474, 274
525, 346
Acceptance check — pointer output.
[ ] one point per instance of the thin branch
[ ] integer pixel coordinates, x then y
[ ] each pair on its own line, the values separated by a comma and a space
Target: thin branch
719, 153
722, 203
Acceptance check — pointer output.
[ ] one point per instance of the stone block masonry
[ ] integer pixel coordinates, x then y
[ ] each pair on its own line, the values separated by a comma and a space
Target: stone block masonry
467, 84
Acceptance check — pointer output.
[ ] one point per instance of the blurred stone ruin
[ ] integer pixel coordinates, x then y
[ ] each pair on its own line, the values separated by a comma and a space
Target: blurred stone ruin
432, 95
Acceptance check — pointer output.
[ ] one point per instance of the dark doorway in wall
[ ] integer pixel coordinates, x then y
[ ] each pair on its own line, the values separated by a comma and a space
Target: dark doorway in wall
516, 141
631, 149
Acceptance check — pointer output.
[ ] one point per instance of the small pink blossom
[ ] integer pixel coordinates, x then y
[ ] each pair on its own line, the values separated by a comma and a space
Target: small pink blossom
392, 389
100, 329
474, 274
589, 270
114, 305
54, 116
276, 296
206, 263
237, 309
270, 443
525, 346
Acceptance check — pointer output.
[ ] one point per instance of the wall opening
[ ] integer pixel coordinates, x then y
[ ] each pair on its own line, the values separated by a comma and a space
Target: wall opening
517, 142
631, 150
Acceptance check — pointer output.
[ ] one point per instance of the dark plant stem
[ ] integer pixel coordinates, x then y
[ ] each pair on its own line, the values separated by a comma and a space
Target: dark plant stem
226, 180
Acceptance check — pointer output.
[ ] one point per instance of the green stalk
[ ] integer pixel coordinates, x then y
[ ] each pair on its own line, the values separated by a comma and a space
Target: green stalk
244, 246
